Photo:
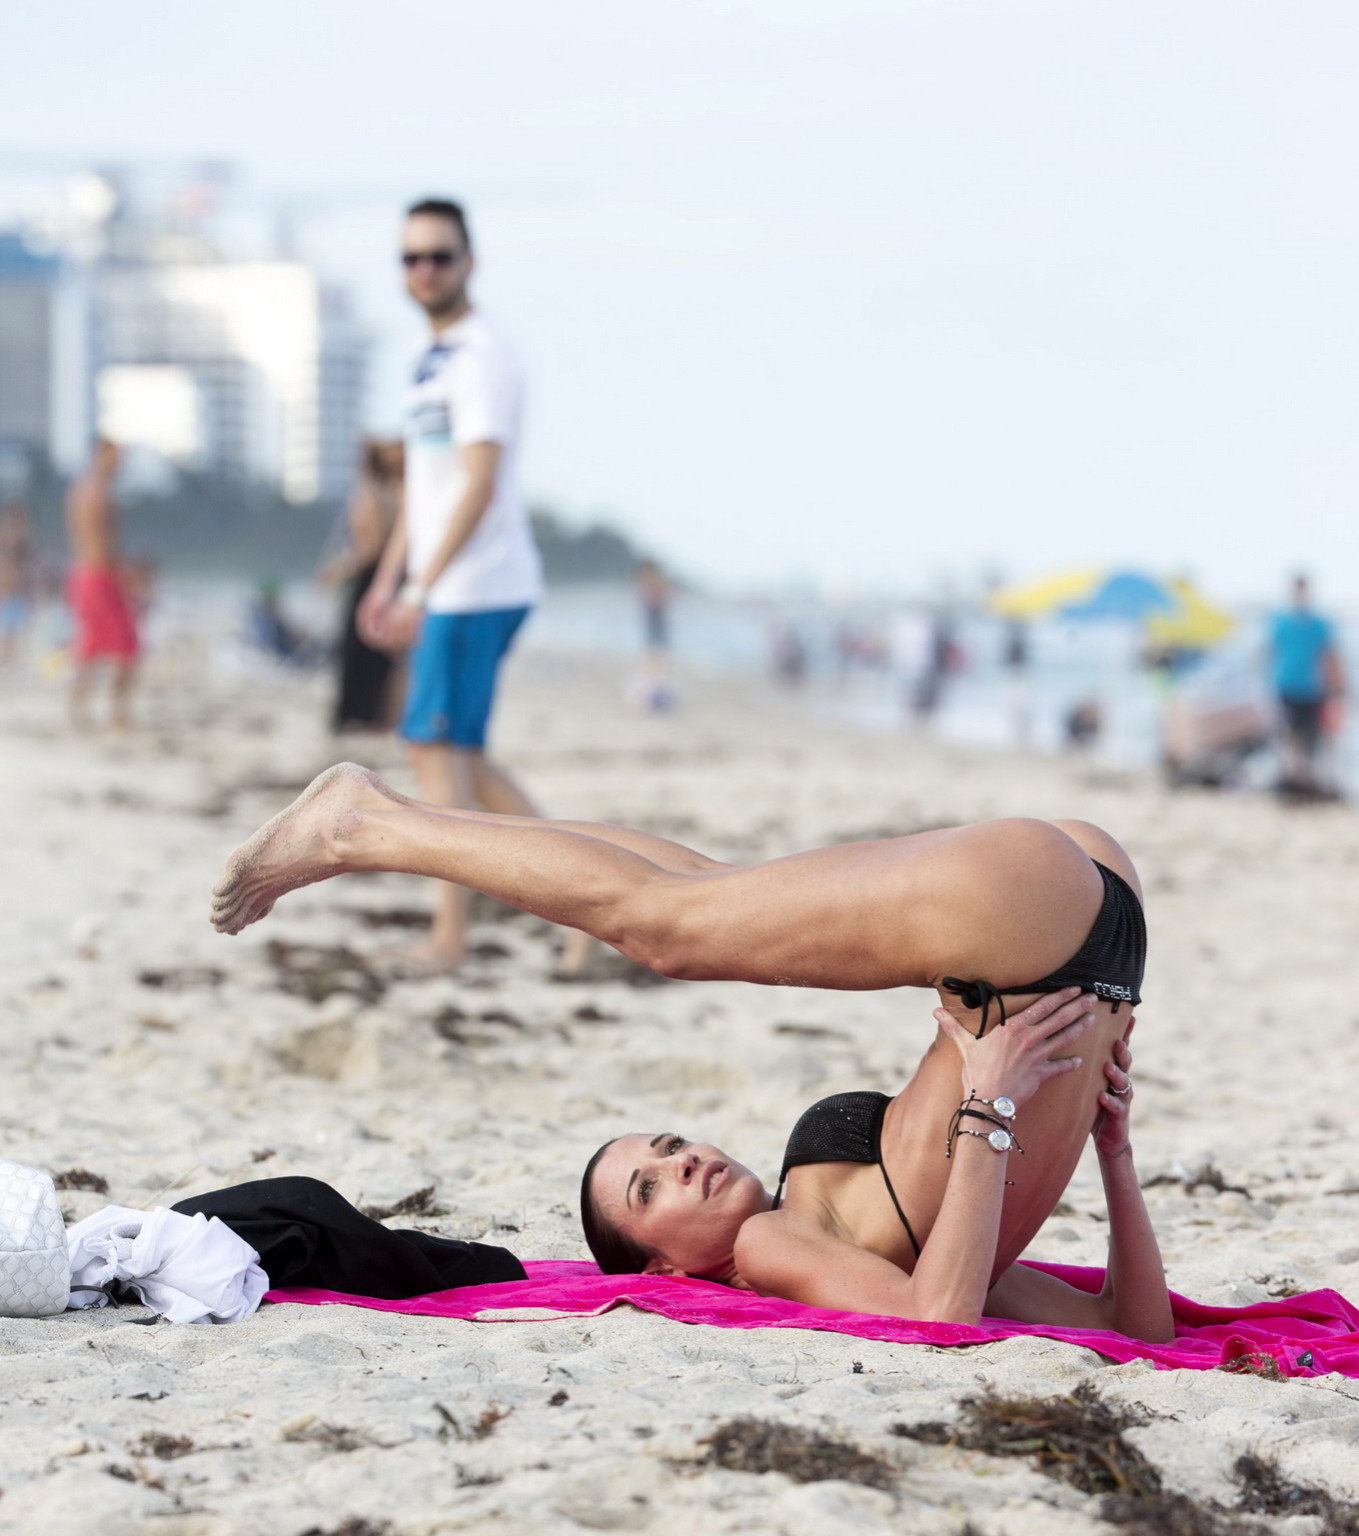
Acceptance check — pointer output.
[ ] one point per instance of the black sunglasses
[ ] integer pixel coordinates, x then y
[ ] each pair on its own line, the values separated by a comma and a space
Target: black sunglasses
435, 258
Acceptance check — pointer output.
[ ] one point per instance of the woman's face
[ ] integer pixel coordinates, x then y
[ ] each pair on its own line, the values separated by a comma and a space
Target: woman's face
685, 1200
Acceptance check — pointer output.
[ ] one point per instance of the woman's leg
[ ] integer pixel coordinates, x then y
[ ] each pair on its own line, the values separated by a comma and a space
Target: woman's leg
836, 917
660, 903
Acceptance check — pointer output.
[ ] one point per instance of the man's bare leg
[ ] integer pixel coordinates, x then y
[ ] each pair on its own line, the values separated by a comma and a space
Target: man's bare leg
124, 679
446, 779
499, 792
462, 778
82, 685
496, 790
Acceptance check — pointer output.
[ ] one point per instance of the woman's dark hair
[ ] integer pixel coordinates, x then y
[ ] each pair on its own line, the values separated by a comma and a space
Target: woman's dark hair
443, 208
614, 1253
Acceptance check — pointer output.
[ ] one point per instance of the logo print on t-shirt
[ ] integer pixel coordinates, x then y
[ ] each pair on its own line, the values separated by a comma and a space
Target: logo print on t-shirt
431, 424
431, 420
431, 363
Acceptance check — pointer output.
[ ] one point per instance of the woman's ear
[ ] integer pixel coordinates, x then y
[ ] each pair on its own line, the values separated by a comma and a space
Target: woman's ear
656, 1265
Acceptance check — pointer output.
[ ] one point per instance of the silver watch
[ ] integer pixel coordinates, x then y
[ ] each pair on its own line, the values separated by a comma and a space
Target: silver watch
1003, 1104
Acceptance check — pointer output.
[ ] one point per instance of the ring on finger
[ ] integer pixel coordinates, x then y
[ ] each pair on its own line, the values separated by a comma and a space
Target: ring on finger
1126, 1088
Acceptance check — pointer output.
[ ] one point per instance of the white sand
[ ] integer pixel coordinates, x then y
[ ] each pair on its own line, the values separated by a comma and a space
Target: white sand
1247, 1052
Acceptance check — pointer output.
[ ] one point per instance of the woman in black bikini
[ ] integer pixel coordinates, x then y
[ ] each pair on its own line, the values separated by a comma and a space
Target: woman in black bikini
971, 911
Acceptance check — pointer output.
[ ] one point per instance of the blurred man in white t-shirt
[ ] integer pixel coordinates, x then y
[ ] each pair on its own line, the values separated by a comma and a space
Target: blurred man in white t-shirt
460, 571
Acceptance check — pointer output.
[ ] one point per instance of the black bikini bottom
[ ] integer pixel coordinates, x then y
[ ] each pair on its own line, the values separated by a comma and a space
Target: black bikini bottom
1110, 963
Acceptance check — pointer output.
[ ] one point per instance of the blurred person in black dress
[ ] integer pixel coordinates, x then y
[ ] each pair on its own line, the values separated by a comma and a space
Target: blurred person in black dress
369, 680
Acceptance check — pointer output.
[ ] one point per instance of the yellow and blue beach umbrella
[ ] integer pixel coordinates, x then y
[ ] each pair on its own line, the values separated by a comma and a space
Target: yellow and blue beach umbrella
1174, 612
1194, 624
1038, 599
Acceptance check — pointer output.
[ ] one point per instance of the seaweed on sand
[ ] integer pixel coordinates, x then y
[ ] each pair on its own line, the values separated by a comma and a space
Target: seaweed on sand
762, 1445
354, 1526
1266, 1491
1077, 1439
1080, 1440
316, 971
81, 1178
421, 1203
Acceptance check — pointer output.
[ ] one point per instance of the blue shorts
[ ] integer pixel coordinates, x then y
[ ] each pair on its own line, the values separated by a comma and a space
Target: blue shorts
452, 675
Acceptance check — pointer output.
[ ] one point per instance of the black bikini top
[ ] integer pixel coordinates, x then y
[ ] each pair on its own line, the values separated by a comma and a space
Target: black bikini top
1110, 963
845, 1128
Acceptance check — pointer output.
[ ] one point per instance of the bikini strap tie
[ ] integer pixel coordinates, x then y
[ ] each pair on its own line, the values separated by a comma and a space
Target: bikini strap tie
976, 995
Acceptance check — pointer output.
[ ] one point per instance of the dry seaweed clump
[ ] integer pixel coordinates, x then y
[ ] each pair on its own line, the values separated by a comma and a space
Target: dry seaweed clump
1076, 1439
166, 1447
354, 1526
318, 971
81, 1178
761, 1445
421, 1203
1266, 1491
1080, 1440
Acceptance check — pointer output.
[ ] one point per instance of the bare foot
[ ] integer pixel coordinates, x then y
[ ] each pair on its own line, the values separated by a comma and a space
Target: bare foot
419, 962
574, 956
296, 848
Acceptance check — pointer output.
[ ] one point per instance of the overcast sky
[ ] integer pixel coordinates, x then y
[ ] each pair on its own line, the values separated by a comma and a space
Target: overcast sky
848, 291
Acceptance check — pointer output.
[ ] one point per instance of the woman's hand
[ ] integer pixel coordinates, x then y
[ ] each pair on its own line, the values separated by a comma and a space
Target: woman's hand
1017, 1058
1111, 1134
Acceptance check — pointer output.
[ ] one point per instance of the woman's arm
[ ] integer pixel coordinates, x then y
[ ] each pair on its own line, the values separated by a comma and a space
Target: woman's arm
1135, 1280
791, 1253
1134, 1300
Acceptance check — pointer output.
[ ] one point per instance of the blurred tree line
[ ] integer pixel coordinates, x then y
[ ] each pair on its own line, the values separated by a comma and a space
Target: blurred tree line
208, 525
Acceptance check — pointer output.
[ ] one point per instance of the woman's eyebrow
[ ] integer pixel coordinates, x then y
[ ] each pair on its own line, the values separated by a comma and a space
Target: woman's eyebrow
656, 1140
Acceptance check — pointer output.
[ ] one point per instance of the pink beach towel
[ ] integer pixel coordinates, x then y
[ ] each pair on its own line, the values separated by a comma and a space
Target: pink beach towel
1308, 1335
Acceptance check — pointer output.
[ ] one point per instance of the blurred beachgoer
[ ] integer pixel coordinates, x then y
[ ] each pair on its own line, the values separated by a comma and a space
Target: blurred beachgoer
16, 580
1016, 657
790, 657
106, 628
1082, 724
273, 632
943, 658
1306, 674
859, 647
366, 683
460, 570
654, 592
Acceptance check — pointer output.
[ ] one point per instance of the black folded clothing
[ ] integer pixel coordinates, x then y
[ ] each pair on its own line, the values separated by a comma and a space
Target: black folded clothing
307, 1233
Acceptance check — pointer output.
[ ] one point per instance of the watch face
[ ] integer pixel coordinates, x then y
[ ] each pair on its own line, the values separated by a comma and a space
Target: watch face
1000, 1140
1004, 1106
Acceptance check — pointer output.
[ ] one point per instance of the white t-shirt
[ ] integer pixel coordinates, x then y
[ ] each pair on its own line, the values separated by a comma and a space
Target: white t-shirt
466, 388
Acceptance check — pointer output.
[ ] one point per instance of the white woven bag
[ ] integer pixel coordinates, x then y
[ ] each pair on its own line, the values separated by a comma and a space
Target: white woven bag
35, 1268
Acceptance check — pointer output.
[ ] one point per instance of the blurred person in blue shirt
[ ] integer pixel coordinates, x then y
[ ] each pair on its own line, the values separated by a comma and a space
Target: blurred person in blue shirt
1305, 673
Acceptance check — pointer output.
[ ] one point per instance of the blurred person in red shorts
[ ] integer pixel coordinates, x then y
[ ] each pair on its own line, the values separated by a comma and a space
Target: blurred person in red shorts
105, 626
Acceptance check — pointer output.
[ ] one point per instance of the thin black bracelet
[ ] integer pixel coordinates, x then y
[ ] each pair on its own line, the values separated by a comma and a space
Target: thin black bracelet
971, 1114
956, 1128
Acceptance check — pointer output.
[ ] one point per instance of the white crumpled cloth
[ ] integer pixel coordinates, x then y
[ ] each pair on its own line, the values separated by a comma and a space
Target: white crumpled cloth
188, 1268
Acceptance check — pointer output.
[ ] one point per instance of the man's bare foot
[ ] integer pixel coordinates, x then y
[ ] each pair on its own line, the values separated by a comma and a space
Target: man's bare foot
298, 847
420, 962
574, 956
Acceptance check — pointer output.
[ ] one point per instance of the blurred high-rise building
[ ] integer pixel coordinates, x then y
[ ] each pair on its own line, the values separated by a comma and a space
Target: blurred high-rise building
250, 371
46, 359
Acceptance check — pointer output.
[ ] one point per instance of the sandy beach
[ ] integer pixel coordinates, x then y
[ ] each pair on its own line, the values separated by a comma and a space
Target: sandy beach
163, 1059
